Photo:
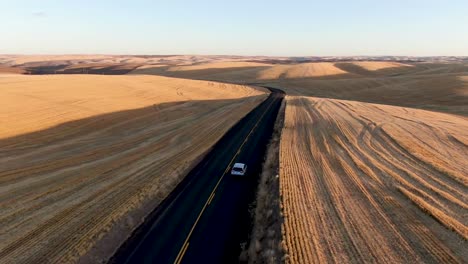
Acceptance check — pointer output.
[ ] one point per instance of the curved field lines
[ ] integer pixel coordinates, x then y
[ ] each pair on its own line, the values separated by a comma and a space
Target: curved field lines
374, 183
64, 187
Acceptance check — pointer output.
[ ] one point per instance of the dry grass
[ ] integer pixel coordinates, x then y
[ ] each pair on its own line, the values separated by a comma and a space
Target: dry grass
265, 243
374, 183
80, 154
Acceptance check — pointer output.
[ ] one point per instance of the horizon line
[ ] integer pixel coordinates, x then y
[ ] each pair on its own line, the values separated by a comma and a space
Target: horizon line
221, 55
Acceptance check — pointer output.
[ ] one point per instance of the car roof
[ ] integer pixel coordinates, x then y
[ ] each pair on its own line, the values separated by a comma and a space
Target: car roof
239, 165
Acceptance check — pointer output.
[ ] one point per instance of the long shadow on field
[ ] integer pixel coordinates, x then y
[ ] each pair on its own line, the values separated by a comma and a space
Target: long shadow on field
391, 71
424, 86
447, 94
112, 126
85, 158
231, 74
84, 68
250, 74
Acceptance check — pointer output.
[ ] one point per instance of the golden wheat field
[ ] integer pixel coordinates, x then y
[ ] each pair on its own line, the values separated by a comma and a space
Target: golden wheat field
442, 92
83, 157
440, 87
373, 155
241, 72
238, 71
364, 182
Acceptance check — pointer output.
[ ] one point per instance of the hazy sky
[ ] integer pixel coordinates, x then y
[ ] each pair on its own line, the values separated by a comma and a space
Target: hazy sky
240, 27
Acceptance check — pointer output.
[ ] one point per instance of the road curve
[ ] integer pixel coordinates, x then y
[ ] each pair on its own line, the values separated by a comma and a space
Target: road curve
206, 218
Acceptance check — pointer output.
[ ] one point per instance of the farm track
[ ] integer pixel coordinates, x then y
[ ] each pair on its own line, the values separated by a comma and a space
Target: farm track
64, 188
372, 183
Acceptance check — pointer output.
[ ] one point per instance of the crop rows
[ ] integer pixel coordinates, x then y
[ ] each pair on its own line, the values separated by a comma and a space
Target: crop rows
372, 183
64, 188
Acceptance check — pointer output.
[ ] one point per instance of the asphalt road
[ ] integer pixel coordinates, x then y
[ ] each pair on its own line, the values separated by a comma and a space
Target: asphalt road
206, 218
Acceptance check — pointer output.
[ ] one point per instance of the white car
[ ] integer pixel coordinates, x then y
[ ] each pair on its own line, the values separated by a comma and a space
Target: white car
239, 169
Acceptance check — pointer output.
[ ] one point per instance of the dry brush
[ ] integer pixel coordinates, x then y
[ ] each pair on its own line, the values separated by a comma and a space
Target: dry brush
265, 245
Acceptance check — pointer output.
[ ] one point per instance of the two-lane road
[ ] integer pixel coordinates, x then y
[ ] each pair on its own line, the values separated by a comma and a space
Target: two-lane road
206, 218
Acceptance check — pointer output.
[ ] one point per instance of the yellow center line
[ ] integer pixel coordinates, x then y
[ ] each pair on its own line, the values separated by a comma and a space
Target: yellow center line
186, 243
211, 198
179, 257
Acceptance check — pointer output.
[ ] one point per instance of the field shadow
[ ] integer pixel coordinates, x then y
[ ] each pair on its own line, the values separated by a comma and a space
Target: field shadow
383, 86
385, 72
104, 69
234, 74
448, 94
252, 74
92, 157
357, 84
11, 69
111, 126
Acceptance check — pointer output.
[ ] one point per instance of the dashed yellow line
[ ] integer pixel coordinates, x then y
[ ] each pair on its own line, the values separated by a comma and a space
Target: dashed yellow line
182, 251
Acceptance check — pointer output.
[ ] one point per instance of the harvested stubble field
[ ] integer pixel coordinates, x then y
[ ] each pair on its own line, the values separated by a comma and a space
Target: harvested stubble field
381, 178
442, 92
363, 182
434, 86
83, 157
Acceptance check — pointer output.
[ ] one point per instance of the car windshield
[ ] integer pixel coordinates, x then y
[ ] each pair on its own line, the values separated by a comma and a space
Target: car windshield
237, 169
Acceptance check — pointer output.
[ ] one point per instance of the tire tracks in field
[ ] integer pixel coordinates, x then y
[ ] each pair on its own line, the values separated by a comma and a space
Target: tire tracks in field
342, 179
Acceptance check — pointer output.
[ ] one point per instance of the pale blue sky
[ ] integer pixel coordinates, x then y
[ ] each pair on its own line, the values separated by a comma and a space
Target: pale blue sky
241, 27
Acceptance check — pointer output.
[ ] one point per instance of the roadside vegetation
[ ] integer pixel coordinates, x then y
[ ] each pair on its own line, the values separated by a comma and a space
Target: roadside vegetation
265, 245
